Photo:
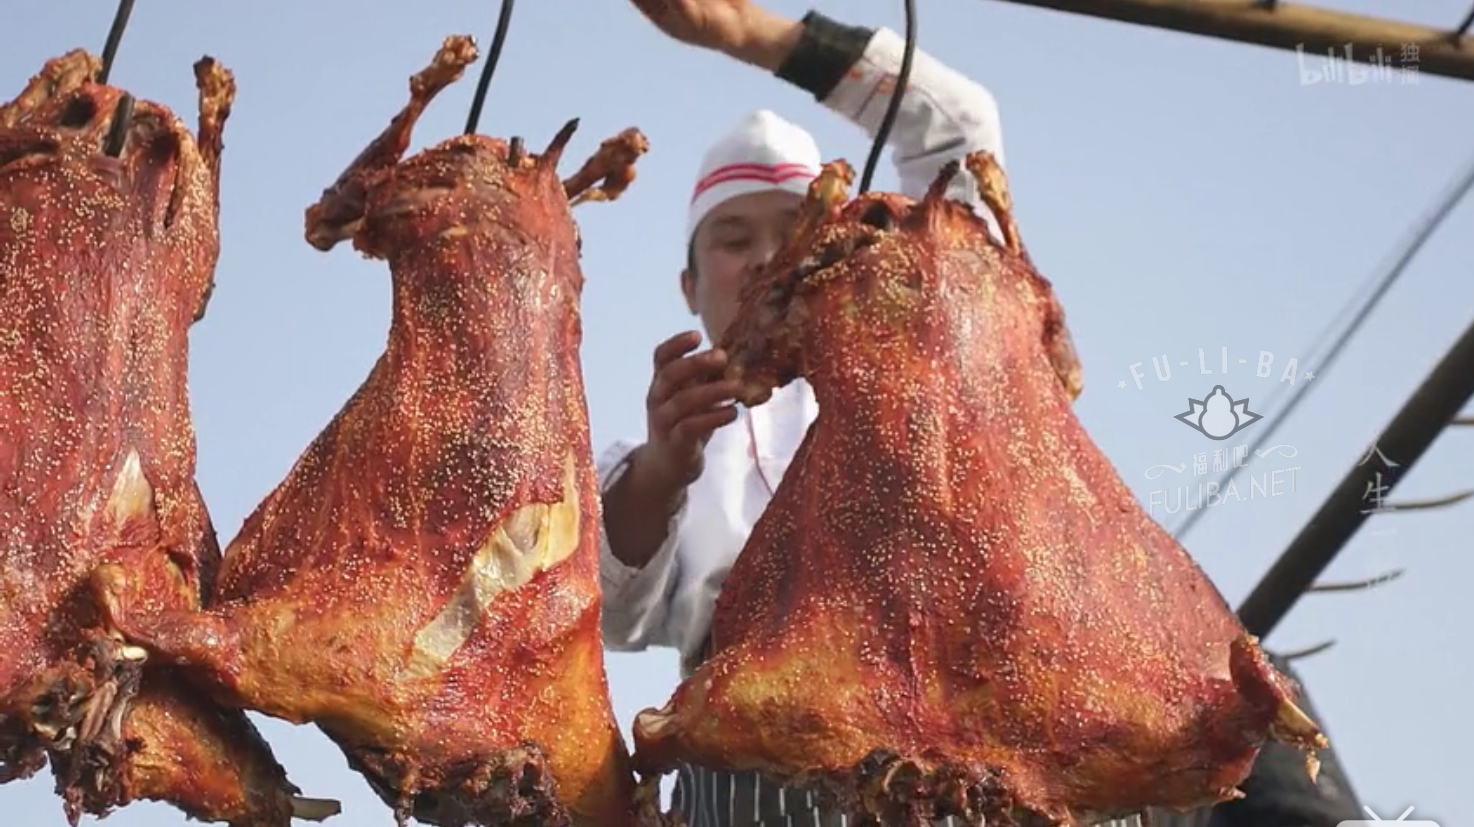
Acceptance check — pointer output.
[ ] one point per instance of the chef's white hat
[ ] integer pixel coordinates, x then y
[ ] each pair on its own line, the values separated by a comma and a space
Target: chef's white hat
762, 152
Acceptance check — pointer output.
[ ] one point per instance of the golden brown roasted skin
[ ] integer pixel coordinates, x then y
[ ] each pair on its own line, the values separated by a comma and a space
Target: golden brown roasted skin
424, 583
953, 605
107, 254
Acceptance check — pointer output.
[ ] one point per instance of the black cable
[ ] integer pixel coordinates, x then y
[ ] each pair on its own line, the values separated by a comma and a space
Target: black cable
486, 71
1415, 245
114, 37
903, 78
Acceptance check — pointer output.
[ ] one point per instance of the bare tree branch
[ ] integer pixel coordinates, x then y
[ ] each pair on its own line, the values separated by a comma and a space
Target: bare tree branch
1424, 505
1307, 652
1357, 585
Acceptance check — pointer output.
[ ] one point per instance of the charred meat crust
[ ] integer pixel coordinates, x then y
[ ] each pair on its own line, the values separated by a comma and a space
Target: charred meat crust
381, 180
83, 718
432, 555
21, 752
933, 616
514, 788
64, 117
112, 235
339, 213
888, 789
837, 230
59, 77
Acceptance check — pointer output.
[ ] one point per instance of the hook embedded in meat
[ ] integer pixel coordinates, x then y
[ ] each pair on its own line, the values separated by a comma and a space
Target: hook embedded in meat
105, 261
953, 604
433, 555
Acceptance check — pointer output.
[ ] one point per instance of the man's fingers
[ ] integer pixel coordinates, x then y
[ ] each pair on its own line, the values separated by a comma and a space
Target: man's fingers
660, 12
680, 374
675, 347
653, 8
697, 428
695, 400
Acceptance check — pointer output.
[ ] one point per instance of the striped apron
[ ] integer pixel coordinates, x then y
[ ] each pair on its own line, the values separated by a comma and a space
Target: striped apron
710, 798
707, 798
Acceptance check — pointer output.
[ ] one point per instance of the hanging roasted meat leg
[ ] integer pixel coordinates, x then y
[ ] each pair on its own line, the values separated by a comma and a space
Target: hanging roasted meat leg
424, 583
108, 244
953, 605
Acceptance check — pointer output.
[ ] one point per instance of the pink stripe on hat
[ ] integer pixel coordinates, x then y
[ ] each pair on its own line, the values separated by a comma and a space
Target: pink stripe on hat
771, 173
763, 152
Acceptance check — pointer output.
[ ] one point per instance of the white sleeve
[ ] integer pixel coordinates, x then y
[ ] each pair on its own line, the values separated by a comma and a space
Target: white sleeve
943, 115
636, 601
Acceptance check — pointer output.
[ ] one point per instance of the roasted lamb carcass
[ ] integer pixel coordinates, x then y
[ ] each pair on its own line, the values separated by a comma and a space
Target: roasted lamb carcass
953, 604
424, 583
108, 244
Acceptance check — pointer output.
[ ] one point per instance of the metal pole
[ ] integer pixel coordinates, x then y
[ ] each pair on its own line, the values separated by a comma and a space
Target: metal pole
1292, 26
1430, 409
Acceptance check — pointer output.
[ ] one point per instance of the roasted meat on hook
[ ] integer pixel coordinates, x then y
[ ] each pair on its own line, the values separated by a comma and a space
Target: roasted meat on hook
108, 243
953, 604
424, 583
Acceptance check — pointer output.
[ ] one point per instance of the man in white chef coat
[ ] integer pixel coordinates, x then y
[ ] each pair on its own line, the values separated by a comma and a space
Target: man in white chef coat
679, 506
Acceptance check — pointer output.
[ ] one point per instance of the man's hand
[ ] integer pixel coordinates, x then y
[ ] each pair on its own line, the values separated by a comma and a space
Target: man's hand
738, 28
689, 399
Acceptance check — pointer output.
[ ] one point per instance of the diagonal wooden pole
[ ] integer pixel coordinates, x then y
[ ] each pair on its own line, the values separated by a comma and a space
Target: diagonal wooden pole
1431, 408
1295, 26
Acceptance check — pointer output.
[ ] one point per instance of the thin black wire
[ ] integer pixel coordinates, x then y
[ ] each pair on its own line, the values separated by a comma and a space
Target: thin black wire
486, 71
114, 37
1372, 289
903, 78
1371, 292
1415, 245
1322, 340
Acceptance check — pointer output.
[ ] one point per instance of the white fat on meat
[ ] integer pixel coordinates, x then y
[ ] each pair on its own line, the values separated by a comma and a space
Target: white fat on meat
533, 539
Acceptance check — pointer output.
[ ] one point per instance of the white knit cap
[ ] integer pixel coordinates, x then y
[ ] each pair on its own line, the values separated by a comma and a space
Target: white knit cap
763, 152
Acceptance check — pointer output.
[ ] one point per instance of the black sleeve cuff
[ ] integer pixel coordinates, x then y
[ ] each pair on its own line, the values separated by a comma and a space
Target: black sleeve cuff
825, 52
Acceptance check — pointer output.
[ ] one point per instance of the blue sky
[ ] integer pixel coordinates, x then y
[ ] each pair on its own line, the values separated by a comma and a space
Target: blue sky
1180, 193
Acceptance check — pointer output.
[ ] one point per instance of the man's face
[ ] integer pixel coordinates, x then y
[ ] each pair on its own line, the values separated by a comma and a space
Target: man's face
734, 240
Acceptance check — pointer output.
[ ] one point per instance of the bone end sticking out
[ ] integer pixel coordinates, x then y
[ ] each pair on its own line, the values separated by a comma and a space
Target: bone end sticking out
60, 76
828, 192
339, 213
216, 85
315, 809
612, 167
993, 189
455, 54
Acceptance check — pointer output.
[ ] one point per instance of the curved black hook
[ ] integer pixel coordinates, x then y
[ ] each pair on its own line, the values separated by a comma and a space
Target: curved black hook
903, 78
117, 134
486, 71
